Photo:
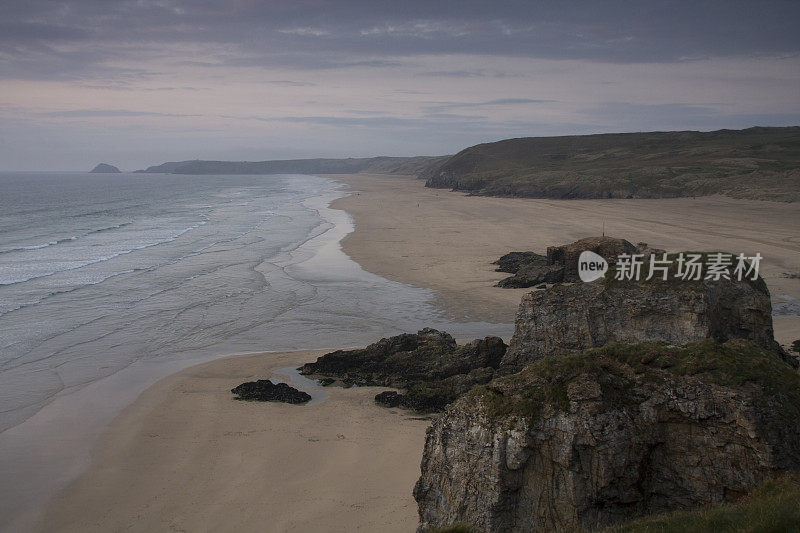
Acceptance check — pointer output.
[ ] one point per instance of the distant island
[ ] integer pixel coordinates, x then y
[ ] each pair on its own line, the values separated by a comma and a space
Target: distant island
756, 163
104, 168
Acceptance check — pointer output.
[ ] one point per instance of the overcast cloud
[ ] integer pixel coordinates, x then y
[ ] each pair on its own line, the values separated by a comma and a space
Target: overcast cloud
135, 83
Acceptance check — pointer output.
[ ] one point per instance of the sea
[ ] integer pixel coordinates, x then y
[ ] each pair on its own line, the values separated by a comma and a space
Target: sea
109, 282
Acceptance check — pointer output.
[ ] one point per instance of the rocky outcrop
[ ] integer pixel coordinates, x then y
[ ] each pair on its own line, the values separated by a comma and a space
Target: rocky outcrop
513, 261
532, 275
594, 438
264, 390
104, 168
561, 262
429, 365
570, 318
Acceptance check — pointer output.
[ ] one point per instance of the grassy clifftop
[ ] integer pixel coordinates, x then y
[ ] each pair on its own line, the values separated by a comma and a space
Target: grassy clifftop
757, 163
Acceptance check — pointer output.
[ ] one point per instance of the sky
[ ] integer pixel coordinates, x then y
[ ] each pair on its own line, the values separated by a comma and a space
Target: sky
137, 83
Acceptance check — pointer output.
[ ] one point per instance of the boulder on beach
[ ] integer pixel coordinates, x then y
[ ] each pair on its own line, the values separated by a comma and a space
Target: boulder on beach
264, 390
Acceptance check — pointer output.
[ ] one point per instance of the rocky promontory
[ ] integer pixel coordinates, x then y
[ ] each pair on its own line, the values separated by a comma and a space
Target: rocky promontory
598, 437
104, 168
616, 399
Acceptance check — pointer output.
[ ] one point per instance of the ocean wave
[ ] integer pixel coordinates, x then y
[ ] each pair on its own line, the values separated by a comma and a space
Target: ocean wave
67, 291
62, 241
106, 257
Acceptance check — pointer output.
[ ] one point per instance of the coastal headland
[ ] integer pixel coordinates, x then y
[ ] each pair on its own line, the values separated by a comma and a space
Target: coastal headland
185, 456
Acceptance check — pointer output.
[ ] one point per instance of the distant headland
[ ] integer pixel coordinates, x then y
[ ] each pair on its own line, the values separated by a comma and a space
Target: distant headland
755, 163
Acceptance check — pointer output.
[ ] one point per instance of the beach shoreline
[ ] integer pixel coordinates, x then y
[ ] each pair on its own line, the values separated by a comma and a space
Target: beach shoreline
232, 456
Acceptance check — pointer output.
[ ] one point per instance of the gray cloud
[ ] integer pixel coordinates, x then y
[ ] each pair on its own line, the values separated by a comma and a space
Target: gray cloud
100, 113
621, 116
442, 106
290, 83
328, 34
366, 77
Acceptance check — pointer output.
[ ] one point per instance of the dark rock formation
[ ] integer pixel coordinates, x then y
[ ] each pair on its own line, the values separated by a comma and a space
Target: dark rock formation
561, 262
598, 437
388, 398
513, 261
531, 275
104, 168
570, 318
264, 390
429, 365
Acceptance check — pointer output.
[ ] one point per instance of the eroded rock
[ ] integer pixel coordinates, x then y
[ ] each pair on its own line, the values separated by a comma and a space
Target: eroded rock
598, 437
570, 318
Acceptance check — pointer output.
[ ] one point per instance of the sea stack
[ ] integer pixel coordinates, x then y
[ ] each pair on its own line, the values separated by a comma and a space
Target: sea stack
105, 168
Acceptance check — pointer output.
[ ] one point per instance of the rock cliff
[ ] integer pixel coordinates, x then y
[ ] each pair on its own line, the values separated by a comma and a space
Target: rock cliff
569, 318
597, 437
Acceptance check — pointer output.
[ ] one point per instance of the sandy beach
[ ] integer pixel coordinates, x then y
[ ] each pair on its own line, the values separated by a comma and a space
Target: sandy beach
186, 457
447, 240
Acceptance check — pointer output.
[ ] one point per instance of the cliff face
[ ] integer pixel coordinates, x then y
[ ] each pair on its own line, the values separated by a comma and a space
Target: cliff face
601, 436
570, 318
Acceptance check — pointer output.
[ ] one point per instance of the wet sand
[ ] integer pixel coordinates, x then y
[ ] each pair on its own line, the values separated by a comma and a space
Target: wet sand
185, 456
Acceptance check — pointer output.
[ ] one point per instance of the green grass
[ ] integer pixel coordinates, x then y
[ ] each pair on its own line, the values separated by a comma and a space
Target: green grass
616, 368
772, 507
